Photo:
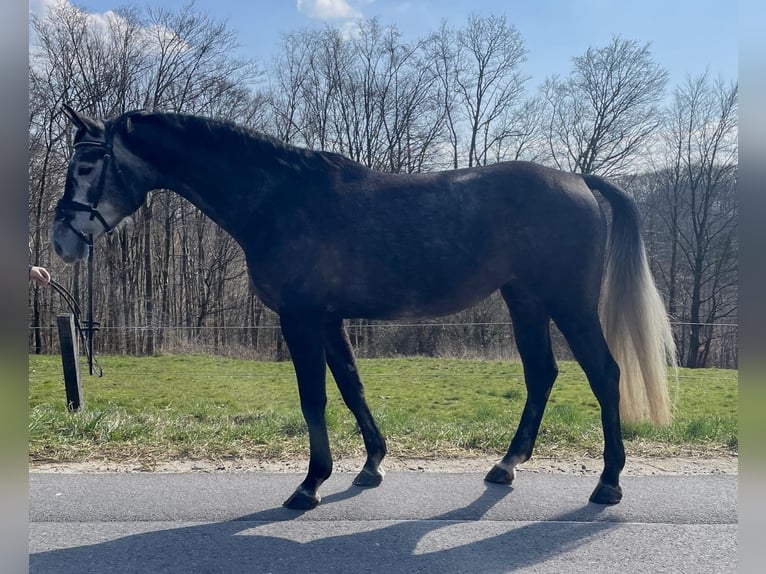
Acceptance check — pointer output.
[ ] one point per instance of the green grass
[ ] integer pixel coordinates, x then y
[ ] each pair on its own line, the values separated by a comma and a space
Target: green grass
202, 407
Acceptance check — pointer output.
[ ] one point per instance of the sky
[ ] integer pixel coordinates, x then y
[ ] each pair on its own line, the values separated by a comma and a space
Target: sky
686, 37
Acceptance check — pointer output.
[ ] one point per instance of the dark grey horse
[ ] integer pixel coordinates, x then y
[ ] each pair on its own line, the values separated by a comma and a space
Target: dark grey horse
327, 239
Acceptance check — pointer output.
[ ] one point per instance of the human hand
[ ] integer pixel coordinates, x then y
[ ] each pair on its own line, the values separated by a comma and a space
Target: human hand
39, 276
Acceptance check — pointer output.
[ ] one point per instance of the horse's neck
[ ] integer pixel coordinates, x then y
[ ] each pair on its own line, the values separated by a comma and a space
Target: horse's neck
220, 198
227, 181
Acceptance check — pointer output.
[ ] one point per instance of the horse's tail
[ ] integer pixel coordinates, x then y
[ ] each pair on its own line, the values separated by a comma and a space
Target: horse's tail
633, 316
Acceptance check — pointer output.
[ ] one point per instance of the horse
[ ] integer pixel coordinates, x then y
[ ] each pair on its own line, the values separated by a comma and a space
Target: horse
326, 239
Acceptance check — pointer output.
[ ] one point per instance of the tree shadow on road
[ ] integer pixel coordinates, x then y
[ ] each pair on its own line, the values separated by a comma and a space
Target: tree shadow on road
278, 540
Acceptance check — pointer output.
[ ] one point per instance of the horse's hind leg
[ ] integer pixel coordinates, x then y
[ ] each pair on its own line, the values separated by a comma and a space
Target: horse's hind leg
531, 327
586, 340
340, 358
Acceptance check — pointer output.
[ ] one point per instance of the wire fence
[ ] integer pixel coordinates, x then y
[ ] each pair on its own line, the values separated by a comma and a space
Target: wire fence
370, 339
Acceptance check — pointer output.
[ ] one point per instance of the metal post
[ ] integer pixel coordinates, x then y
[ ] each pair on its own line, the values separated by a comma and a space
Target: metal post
90, 304
70, 362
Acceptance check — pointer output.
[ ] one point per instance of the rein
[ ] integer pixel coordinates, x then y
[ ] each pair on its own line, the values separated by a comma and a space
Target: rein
86, 333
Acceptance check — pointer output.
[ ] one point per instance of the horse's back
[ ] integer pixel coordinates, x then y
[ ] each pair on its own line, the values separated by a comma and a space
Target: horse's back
513, 218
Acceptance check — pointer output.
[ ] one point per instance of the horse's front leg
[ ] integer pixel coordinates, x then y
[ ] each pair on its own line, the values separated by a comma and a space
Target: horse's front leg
305, 340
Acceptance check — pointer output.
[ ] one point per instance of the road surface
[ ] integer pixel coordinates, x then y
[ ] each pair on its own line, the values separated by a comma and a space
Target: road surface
414, 522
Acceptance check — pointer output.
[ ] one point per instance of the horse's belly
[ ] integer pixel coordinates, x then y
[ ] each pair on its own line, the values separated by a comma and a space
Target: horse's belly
417, 296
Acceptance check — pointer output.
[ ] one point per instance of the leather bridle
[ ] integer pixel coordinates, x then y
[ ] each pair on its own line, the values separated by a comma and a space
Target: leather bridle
92, 209
71, 205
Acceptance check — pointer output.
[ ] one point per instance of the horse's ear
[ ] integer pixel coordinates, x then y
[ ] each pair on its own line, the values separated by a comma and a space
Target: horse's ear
131, 116
81, 122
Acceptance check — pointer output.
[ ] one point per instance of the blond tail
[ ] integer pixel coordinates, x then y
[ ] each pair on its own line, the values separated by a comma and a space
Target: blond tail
633, 316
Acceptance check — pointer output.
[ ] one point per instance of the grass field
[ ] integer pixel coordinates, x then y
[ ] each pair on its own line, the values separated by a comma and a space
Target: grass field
213, 408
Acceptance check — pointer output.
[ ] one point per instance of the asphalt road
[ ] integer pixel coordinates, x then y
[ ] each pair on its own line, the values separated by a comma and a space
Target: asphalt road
413, 522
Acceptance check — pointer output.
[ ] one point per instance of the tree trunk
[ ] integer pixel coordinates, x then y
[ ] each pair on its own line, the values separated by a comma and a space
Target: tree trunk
148, 278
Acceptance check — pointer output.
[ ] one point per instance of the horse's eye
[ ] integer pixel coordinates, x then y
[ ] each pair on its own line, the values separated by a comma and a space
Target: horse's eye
84, 170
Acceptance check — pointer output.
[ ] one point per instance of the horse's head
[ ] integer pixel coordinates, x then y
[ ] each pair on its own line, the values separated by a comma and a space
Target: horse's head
101, 188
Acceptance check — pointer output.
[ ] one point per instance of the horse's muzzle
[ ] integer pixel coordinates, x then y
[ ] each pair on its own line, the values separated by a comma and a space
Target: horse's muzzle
67, 244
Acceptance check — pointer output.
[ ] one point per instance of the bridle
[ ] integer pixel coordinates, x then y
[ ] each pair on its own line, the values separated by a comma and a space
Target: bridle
72, 205
92, 209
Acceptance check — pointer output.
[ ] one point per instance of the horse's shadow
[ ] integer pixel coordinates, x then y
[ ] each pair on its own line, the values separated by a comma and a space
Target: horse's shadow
278, 540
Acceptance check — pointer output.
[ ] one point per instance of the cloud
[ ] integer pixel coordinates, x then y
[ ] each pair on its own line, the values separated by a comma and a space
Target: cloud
98, 21
350, 29
41, 7
101, 24
328, 9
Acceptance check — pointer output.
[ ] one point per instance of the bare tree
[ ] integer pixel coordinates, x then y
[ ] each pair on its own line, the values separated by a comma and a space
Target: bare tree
369, 96
480, 83
176, 61
697, 207
488, 80
191, 68
442, 52
326, 125
519, 134
399, 119
53, 76
603, 115
290, 76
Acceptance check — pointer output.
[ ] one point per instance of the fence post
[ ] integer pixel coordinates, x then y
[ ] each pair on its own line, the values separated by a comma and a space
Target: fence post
69, 358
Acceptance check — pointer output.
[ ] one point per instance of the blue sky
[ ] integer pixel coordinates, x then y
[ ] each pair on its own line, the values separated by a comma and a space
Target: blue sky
687, 37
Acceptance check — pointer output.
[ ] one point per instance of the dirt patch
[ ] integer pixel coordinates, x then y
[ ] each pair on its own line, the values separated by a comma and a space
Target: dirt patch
636, 466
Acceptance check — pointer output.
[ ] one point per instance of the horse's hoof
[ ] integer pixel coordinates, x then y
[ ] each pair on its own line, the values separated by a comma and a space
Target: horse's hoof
368, 478
302, 500
500, 475
606, 494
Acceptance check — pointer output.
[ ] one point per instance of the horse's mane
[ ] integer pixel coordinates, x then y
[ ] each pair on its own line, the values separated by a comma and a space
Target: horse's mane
230, 135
